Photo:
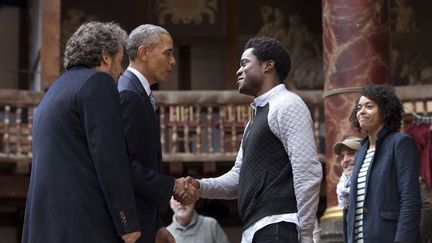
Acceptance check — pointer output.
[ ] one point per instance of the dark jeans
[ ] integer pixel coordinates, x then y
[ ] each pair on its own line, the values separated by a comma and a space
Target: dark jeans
279, 232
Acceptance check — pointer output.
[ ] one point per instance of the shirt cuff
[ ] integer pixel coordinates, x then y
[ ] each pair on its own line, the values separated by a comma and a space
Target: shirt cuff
306, 236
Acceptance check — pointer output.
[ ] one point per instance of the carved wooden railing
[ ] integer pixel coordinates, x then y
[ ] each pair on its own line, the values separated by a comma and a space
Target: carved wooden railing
196, 126
16, 112
416, 99
208, 125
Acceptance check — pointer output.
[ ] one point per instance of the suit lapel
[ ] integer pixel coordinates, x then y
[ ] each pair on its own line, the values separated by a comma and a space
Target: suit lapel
136, 86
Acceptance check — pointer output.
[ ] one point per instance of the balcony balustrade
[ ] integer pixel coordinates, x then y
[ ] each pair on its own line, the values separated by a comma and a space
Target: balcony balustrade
196, 126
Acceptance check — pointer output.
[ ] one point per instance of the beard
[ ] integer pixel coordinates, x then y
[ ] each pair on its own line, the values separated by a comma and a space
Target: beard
184, 212
250, 86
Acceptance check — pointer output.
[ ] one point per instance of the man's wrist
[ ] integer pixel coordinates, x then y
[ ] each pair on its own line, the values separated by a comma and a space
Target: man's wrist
177, 185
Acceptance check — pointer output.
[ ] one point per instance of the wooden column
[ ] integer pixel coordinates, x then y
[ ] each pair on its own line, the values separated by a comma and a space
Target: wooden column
231, 45
50, 43
184, 67
356, 41
23, 73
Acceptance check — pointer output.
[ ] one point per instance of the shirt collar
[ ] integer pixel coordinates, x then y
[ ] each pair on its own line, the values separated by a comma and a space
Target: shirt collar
263, 99
142, 79
191, 223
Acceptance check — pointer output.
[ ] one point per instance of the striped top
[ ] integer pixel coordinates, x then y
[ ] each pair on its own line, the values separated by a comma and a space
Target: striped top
361, 185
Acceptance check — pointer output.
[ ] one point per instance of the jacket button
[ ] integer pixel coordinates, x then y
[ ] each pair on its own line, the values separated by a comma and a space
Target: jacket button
365, 210
123, 216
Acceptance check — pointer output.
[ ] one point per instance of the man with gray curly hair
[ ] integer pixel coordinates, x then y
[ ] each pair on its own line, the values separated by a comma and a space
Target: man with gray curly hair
80, 183
95, 43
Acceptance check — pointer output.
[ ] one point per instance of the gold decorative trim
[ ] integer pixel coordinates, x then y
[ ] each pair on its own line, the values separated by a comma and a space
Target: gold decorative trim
341, 91
332, 214
187, 11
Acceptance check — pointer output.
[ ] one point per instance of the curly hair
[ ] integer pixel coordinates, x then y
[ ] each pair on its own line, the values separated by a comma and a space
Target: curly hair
87, 44
266, 48
147, 35
390, 107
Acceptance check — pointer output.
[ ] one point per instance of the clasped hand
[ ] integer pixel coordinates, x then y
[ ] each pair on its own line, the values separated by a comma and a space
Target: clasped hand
186, 190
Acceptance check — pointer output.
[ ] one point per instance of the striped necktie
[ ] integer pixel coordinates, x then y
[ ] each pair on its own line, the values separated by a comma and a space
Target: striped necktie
152, 101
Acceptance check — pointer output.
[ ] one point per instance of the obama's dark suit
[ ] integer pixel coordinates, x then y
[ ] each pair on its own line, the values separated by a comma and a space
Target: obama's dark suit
152, 188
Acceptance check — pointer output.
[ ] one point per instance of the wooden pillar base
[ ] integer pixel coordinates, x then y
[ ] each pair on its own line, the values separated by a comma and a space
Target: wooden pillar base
332, 225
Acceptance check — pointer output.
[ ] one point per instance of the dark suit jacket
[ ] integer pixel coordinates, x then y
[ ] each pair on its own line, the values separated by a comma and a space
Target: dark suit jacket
392, 196
80, 184
152, 188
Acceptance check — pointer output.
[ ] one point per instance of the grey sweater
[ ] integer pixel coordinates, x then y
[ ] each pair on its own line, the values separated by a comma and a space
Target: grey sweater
266, 181
200, 229
290, 121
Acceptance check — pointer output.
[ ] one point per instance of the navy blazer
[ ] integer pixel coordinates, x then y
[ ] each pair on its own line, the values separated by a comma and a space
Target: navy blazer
152, 188
80, 183
392, 201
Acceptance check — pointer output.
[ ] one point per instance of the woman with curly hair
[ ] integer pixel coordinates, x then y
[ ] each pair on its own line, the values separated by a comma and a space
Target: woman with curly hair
385, 202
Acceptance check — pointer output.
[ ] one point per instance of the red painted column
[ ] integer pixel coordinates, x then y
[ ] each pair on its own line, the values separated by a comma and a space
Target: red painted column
356, 41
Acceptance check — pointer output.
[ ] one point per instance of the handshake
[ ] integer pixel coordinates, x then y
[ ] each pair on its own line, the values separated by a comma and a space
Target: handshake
186, 190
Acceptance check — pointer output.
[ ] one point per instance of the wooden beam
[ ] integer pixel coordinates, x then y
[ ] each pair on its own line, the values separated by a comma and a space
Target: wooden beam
23, 61
231, 44
13, 191
184, 63
19, 97
50, 43
220, 97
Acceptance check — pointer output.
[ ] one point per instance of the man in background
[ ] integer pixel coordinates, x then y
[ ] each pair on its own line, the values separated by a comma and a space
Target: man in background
345, 151
188, 226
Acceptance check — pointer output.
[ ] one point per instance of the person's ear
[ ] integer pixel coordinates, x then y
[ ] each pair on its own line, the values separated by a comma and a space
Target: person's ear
269, 65
106, 59
142, 53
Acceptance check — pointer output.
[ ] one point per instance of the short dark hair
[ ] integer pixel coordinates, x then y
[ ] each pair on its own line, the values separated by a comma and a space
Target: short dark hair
389, 106
266, 48
86, 45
